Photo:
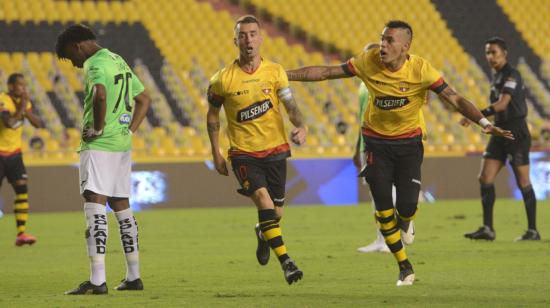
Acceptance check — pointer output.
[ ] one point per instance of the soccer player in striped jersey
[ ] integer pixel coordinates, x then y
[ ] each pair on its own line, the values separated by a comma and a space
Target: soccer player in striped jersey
251, 90
398, 84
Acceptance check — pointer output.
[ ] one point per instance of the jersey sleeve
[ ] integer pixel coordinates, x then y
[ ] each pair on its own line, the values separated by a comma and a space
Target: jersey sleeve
3, 107
215, 94
356, 65
511, 84
432, 78
282, 79
96, 74
137, 86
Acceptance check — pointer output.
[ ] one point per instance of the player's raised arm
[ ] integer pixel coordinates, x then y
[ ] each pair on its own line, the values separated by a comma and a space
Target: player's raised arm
143, 101
320, 73
33, 119
12, 121
470, 111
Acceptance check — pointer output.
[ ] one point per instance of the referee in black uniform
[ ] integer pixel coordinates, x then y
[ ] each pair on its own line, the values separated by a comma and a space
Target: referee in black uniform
510, 110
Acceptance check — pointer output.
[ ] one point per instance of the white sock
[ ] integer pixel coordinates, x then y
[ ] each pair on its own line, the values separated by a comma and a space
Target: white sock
96, 240
129, 238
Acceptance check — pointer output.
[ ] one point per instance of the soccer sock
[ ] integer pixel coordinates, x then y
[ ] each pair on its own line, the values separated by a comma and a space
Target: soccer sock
389, 229
530, 201
488, 201
403, 222
272, 233
21, 208
129, 238
96, 240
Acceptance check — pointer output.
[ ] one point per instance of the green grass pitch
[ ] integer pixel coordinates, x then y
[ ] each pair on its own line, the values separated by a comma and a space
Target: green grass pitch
206, 258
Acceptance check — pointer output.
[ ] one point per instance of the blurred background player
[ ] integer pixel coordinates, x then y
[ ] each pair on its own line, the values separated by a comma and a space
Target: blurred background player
16, 107
359, 160
392, 128
109, 120
251, 90
510, 110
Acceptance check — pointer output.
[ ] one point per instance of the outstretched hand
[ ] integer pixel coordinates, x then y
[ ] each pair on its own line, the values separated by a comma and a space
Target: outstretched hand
497, 131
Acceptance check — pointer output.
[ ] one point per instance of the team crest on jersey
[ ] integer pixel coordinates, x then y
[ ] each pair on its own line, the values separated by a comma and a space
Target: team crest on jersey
254, 111
403, 86
266, 87
390, 102
124, 119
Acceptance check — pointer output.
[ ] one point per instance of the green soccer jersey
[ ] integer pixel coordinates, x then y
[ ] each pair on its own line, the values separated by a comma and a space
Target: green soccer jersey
363, 102
121, 86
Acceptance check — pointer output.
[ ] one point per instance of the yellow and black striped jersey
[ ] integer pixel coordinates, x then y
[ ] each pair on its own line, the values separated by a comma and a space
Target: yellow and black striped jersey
252, 107
10, 138
395, 98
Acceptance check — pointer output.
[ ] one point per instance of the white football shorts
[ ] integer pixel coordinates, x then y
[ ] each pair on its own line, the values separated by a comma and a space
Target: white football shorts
106, 173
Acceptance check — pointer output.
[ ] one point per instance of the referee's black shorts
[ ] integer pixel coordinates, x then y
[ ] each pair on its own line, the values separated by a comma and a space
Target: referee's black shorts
515, 151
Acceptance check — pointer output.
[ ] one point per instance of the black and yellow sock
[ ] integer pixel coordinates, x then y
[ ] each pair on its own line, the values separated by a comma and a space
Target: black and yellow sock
403, 222
389, 229
21, 207
272, 233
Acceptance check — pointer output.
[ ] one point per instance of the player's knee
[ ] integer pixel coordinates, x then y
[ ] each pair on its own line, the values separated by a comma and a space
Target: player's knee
484, 179
523, 180
90, 196
407, 209
261, 195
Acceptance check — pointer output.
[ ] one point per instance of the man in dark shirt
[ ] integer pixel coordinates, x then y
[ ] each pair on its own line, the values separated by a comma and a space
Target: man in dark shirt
509, 108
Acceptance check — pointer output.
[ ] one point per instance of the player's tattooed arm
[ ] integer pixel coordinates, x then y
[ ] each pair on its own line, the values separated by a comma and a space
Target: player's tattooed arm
299, 133
460, 104
319, 73
213, 127
470, 111
294, 114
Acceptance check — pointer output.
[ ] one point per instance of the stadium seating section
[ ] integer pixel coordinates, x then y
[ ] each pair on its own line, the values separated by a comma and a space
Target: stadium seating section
174, 46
